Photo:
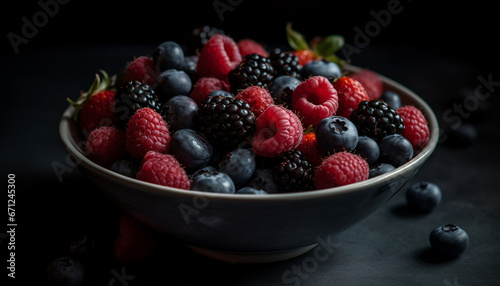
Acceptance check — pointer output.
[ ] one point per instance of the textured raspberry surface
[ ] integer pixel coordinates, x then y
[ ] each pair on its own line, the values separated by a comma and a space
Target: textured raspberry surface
340, 169
259, 99
142, 69
249, 46
314, 99
106, 145
416, 128
311, 150
218, 57
135, 240
205, 85
163, 169
277, 130
146, 131
371, 83
350, 93
97, 111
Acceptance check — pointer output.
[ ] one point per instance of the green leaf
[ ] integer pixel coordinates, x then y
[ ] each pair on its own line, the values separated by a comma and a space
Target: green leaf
334, 58
295, 39
329, 45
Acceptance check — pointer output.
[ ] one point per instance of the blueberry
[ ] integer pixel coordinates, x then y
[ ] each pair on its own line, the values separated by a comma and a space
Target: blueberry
180, 112
336, 133
379, 169
368, 148
392, 99
125, 167
324, 68
65, 271
191, 148
250, 190
281, 88
220, 92
173, 82
239, 164
201, 171
423, 196
449, 240
395, 150
263, 179
168, 55
213, 182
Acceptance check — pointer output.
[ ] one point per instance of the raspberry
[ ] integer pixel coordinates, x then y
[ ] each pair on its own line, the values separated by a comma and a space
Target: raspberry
371, 83
142, 69
105, 145
249, 46
314, 99
135, 240
163, 169
416, 129
259, 98
218, 57
351, 93
147, 131
277, 130
341, 168
205, 85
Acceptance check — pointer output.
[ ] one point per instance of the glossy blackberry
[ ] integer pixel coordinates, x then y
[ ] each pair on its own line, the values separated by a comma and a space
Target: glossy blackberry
376, 119
196, 40
285, 63
293, 172
254, 69
132, 96
225, 121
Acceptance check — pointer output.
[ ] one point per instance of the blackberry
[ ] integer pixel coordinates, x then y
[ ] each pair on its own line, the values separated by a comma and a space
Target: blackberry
225, 121
285, 63
293, 172
132, 96
196, 40
376, 119
254, 69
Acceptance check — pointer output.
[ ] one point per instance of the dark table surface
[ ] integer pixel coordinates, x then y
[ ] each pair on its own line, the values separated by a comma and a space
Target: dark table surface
390, 247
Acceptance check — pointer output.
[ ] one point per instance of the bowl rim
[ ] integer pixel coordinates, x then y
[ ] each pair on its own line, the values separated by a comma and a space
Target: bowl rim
67, 129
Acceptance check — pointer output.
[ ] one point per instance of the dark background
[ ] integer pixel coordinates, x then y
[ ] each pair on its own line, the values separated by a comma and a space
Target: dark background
439, 51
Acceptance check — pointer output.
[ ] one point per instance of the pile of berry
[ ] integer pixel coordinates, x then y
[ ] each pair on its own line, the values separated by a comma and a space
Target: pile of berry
218, 115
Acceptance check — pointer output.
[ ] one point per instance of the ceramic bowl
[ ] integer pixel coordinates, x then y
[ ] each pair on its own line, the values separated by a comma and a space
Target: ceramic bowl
251, 228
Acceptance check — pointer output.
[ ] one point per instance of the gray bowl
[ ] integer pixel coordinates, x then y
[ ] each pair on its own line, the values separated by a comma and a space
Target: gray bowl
251, 228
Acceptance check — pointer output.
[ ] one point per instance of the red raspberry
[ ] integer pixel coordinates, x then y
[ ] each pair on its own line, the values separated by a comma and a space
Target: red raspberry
146, 130
416, 128
311, 150
136, 241
106, 145
341, 168
205, 85
277, 130
218, 57
371, 83
259, 99
351, 93
163, 169
142, 69
314, 99
249, 46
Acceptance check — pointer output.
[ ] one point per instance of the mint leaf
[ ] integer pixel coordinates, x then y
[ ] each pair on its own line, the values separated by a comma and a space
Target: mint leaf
295, 39
329, 45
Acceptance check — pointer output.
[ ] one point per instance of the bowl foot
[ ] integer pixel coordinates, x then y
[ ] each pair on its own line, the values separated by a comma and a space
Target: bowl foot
252, 257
